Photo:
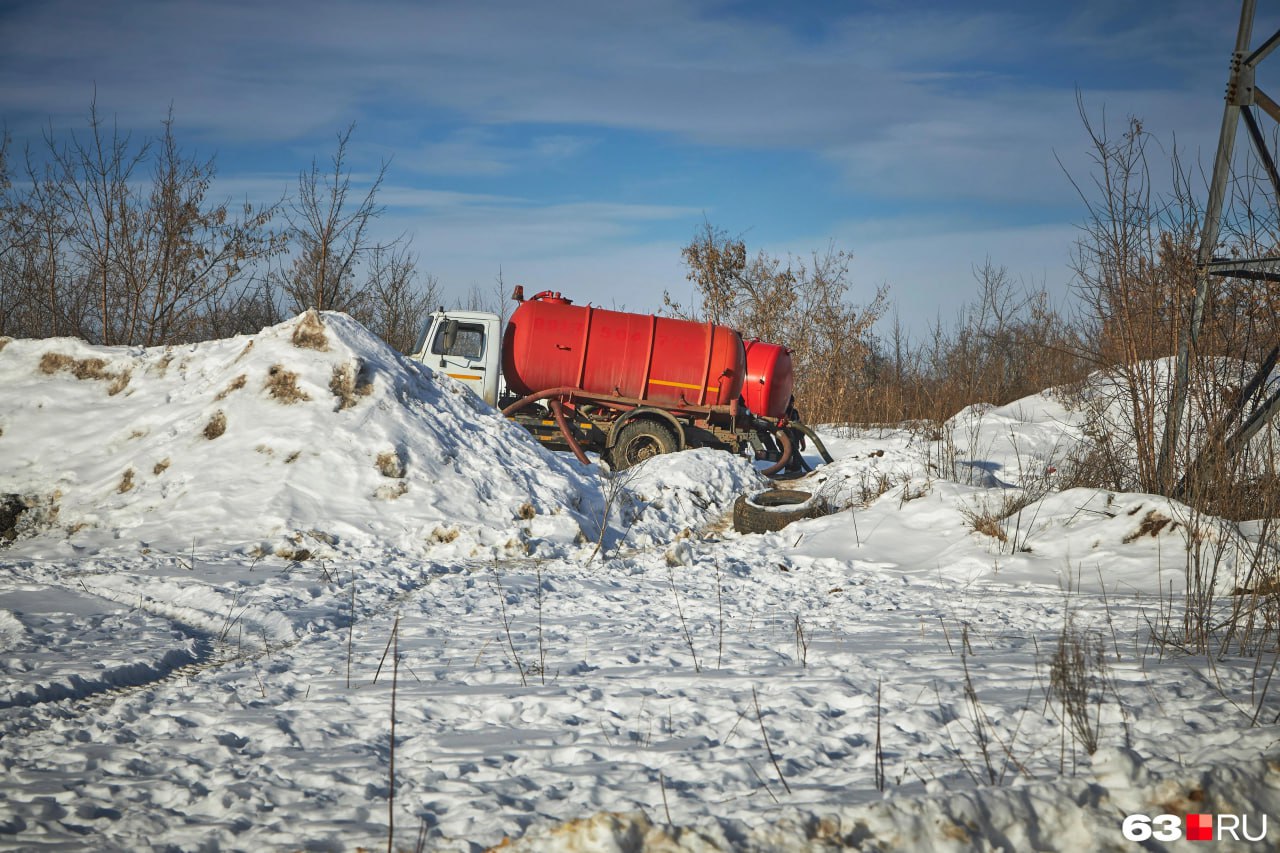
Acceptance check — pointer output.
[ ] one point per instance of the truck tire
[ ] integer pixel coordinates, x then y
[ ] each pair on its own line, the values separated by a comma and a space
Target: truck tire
640, 440
773, 509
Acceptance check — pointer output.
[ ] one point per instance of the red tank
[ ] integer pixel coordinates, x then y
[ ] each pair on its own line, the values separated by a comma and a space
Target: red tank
770, 381
550, 343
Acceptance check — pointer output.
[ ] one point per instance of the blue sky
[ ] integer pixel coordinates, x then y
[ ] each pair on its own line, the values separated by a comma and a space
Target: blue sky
576, 146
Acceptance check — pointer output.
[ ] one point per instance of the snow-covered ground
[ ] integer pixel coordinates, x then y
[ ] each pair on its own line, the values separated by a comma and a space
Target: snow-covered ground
290, 591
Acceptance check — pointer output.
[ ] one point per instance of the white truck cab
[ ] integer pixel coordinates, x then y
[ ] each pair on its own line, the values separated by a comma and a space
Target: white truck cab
466, 345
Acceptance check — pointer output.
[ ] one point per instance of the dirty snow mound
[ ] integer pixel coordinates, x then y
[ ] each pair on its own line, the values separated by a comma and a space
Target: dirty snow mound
667, 495
308, 436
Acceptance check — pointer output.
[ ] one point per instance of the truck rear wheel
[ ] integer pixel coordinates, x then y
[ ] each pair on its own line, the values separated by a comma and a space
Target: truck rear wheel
640, 440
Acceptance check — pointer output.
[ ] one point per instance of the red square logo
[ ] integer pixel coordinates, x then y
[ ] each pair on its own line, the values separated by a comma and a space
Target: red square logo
1199, 827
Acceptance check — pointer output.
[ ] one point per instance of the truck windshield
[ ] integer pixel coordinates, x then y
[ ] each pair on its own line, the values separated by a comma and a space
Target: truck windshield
468, 343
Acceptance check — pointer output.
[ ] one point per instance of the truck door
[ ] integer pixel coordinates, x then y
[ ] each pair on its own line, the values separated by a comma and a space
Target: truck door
466, 349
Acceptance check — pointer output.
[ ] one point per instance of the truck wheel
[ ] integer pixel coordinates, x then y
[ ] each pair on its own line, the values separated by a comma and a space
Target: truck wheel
773, 509
640, 440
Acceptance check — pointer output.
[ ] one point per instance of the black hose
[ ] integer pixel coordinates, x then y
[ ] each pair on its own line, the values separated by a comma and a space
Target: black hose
817, 442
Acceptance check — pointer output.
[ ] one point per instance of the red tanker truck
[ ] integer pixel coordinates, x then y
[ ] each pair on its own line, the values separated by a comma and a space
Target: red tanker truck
626, 386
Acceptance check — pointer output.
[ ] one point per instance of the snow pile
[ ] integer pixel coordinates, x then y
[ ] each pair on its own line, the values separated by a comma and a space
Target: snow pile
309, 437
669, 495
1067, 816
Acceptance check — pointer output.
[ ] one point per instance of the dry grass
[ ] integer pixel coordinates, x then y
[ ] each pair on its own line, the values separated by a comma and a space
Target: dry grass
282, 385
161, 467
1077, 680
126, 481
161, 367
527, 511
217, 425
308, 332
1004, 517
85, 368
1151, 525
4, 342
236, 385
391, 492
444, 535
349, 385
985, 521
390, 465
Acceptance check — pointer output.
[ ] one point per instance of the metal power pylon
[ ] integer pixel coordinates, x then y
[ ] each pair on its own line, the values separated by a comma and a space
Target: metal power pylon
1243, 98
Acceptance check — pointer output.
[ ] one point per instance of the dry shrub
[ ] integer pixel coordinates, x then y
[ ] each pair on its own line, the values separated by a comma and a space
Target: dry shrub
527, 511
161, 466
349, 384
1007, 342
217, 425
282, 385
126, 481
85, 368
308, 332
289, 552
236, 385
390, 465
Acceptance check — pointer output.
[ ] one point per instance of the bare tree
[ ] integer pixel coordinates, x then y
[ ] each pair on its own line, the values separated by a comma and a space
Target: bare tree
93, 181
797, 302
394, 306
331, 229
495, 300
92, 249
1135, 276
185, 255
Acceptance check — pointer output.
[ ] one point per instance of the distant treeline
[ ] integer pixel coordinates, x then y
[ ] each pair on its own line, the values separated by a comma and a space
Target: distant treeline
116, 240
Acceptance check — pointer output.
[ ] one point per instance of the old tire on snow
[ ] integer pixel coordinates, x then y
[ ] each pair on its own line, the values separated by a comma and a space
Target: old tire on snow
773, 509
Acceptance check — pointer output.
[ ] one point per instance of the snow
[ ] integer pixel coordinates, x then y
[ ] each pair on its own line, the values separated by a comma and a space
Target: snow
210, 652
